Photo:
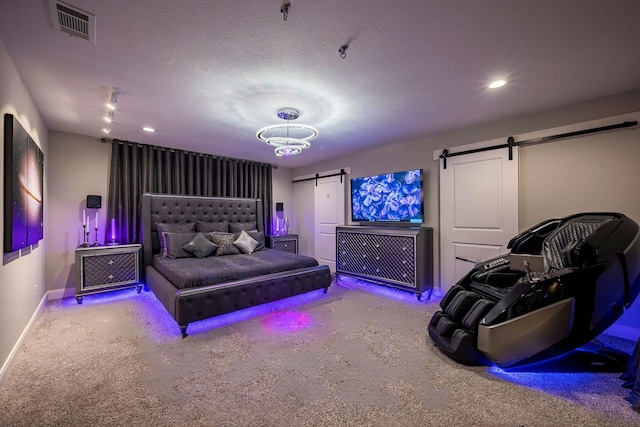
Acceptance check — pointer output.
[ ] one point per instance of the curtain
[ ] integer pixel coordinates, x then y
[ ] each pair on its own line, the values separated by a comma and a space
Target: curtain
139, 168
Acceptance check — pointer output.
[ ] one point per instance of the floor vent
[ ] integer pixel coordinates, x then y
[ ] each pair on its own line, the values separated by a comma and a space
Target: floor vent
73, 21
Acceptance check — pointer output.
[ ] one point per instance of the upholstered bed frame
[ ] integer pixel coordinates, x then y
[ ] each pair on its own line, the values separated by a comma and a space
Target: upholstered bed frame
192, 304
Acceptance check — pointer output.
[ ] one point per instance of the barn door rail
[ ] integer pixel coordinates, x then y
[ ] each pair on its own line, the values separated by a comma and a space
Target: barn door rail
317, 177
512, 143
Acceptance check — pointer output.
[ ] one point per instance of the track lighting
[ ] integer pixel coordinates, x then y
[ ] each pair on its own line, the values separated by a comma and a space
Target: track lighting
113, 101
284, 10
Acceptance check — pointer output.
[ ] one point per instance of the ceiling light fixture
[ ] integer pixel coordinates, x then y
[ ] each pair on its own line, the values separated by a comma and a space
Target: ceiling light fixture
497, 84
107, 130
148, 129
109, 117
288, 138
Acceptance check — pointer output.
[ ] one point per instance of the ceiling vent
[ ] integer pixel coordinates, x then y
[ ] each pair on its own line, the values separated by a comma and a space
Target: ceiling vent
73, 21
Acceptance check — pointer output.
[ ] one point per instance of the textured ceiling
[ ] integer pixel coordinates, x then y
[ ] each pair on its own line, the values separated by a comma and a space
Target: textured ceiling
207, 74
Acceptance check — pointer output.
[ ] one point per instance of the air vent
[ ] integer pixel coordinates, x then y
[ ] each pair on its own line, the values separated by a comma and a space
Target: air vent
73, 21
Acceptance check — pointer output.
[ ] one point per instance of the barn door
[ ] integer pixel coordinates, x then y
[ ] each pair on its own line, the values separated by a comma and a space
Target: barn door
478, 210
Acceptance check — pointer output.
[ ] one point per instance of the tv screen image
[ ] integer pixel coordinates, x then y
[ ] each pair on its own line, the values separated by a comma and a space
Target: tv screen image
391, 197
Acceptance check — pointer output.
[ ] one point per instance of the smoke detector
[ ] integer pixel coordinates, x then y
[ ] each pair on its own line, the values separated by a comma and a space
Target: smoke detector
73, 21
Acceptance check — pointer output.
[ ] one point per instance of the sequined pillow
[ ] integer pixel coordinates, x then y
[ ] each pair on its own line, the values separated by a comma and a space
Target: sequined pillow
258, 236
245, 243
225, 241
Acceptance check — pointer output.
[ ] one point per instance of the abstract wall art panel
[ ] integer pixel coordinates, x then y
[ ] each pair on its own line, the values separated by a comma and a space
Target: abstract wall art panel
23, 187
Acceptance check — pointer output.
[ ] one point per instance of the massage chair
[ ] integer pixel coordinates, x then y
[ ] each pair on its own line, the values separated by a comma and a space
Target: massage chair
562, 284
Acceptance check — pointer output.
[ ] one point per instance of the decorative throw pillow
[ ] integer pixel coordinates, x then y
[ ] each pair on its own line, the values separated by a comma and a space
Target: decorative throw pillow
225, 241
258, 236
236, 227
200, 246
207, 227
245, 242
166, 227
175, 243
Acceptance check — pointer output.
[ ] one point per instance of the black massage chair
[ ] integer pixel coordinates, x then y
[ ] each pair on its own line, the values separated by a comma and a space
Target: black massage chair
563, 283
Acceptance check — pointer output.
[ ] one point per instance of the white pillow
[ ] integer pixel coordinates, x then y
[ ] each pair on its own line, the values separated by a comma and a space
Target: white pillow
245, 243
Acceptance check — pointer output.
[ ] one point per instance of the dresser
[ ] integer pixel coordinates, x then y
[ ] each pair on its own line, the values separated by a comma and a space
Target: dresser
107, 268
392, 256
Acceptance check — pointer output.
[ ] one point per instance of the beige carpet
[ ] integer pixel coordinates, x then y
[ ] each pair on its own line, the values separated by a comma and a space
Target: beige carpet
358, 355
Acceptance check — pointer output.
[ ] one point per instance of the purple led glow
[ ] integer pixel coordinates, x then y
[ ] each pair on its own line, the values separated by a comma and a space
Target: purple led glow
102, 298
279, 318
556, 383
384, 291
271, 308
113, 230
285, 322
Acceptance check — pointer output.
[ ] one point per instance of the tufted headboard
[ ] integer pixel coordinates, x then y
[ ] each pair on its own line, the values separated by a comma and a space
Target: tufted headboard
170, 208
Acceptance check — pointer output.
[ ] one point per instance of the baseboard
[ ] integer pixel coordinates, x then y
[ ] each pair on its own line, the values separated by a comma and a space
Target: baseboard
16, 347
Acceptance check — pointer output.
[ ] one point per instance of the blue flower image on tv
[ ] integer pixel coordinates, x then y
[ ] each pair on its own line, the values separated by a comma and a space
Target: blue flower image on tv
393, 197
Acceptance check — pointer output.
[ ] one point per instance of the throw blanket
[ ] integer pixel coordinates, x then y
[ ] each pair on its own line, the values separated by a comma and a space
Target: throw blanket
213, 270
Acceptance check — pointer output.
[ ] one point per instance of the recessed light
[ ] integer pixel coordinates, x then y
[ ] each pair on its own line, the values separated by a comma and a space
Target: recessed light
148, 129
497, 83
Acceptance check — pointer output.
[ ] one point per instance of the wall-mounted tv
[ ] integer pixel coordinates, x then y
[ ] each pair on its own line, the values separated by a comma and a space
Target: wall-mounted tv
392, 197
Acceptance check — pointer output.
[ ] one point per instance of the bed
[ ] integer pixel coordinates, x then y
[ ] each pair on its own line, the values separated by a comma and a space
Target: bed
193, 288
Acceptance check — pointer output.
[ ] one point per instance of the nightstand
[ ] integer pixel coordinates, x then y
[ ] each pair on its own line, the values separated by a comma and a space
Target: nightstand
107, 268
284, 243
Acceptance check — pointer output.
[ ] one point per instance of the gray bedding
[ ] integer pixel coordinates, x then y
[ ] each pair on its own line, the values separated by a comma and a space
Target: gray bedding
195, 272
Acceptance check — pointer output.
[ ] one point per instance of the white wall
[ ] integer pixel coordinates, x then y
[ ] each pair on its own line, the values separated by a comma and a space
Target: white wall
79, 166
22, 273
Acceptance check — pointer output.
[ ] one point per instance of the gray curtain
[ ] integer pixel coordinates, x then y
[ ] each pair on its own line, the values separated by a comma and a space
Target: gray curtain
139, 168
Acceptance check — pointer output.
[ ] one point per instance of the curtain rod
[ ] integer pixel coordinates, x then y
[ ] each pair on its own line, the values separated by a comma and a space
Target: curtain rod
512, 143
173, 150
317, 177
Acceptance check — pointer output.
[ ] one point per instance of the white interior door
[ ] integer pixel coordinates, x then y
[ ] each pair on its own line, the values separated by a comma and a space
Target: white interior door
478, 210
328, 214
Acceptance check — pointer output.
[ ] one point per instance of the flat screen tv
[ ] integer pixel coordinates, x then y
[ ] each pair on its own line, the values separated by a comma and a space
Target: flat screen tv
392, 197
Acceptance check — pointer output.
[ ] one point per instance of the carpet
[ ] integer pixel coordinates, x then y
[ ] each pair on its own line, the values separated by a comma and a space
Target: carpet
356, 356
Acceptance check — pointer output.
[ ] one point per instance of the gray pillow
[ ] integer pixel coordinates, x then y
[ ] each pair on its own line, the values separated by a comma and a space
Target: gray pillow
225, 241
236, 227
166, 227
245, 243
175, 243
207, 227
258, 236
200, 246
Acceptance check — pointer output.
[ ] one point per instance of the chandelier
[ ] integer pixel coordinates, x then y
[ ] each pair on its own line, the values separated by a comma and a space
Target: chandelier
288, 138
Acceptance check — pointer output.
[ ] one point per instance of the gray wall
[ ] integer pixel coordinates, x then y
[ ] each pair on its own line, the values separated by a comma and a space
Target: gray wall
79, 165
22, 273
556, 179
